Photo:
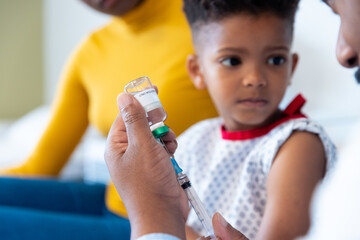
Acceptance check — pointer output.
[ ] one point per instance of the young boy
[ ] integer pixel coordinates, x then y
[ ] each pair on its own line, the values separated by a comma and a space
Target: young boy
257, 165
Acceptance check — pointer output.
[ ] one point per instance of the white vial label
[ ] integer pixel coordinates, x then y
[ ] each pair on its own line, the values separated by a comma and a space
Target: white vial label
148, 99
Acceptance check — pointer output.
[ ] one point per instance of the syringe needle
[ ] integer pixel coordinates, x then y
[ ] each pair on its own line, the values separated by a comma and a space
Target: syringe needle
196, 204
163, 144
193, 198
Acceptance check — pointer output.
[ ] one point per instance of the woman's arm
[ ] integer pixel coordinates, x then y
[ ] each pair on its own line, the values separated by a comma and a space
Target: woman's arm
296, 170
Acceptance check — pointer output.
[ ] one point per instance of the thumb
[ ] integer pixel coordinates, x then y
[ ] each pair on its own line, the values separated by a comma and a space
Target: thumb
224, 230
133, 115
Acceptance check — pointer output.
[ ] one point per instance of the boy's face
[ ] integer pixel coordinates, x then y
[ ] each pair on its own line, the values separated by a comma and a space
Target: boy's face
245, 63
348, 45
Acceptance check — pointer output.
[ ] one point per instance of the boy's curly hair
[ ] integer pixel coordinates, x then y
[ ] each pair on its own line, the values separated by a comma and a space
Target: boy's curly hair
205, 11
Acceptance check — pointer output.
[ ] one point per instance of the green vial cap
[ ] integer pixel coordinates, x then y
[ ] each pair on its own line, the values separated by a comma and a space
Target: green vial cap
160, 132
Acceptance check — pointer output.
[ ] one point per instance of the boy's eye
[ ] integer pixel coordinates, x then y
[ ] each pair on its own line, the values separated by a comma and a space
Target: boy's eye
231, 61
276, 60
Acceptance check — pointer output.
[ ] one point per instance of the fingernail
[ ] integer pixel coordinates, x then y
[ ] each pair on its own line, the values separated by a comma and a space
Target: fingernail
222, 220
124, 99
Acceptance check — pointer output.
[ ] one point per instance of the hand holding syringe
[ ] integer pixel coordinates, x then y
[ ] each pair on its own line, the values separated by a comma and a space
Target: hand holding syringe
144, 92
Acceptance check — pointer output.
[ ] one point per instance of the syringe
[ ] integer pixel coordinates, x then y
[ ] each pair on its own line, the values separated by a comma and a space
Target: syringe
193, 198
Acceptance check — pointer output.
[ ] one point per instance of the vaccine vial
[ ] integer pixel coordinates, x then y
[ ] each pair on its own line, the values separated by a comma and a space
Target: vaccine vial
145, 93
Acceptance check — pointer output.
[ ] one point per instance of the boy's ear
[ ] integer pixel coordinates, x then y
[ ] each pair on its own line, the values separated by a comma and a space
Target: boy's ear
295, 60
193, 68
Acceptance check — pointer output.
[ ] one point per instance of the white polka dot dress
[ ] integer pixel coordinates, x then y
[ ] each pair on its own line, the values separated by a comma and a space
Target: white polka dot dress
230, 175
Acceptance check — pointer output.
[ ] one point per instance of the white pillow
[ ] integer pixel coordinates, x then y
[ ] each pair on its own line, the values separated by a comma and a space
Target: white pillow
86, 162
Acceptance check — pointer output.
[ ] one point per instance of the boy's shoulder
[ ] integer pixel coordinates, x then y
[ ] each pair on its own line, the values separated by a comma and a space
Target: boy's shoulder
279, 135
304, 124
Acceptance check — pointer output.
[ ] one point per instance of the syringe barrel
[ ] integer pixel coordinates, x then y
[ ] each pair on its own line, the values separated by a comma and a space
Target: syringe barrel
196, 204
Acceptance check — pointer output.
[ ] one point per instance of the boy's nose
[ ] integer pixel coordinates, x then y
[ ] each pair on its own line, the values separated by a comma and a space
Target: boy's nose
254, 79
345, 53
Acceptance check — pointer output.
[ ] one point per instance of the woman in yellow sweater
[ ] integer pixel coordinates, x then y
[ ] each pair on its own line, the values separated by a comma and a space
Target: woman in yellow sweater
145, 37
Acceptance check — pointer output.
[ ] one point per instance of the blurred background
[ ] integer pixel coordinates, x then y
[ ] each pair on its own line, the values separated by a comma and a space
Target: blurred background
37, 37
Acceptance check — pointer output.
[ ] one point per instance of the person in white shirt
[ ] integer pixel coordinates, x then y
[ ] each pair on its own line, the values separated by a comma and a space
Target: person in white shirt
157, 206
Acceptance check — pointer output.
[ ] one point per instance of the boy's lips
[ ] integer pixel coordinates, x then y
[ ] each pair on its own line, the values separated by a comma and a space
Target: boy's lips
253, 102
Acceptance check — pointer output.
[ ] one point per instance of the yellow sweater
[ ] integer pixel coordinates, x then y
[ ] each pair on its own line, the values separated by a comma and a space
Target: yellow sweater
152, 40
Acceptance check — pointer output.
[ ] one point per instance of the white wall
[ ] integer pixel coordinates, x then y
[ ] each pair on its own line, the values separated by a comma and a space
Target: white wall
66, 24
332, 93
333, 97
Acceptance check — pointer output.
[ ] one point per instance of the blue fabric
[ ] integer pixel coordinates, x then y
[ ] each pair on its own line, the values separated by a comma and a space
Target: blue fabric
51, 209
